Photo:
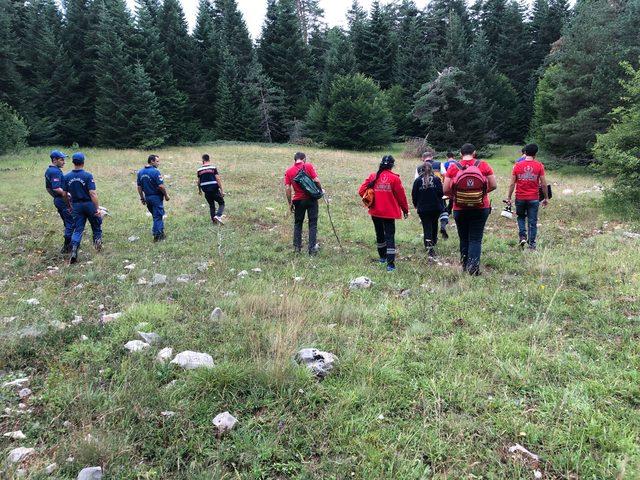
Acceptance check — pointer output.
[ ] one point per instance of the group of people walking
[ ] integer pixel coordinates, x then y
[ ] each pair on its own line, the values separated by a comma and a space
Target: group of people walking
458, 187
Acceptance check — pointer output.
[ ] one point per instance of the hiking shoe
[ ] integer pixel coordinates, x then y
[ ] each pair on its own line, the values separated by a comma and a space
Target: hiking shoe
74, 255
217, 219
97, 244
523, 243
382, 260
443, 232
66, 248
432, 253
391, 268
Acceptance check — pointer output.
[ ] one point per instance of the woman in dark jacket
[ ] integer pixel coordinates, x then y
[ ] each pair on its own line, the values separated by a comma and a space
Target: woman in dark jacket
427, 199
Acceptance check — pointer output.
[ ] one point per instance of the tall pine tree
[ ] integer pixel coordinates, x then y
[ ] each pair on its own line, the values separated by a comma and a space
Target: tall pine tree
377, 55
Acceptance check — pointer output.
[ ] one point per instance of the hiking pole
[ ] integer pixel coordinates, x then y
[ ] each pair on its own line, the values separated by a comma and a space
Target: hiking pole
332, 225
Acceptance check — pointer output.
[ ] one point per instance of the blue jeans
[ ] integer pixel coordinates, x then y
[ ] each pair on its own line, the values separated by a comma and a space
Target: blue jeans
83, 211
66, 215
156, 207
528, 210
470, 224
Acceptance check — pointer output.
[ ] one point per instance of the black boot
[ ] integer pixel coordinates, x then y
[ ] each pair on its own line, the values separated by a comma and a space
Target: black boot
66, 248
97, 244
74, 255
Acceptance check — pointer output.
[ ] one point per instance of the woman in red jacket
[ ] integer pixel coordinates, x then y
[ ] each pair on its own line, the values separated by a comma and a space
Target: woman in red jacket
390, 203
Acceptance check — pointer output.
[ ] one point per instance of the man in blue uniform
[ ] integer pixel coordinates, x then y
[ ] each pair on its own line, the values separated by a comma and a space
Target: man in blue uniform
84, 199
55, 185
209, 183
152, 193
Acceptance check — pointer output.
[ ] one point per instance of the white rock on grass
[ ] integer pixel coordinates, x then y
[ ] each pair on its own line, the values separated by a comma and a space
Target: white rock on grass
19, 454
360, 282
51, 468
90, 473
24, 393
243, 274
136, 346
151, 338
257, 270
184, 278
216, 314
33, 301
111, 317
58, 325
224, 422
319, 363
167, 413
567, 191
77, 320
17, 435
83, 338
32, 331
130, 267
164, 355
190, 360
20, 382
159, 279
133, 238
635, 236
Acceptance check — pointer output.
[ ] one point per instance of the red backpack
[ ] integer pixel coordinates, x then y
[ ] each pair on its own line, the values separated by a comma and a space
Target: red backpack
469, 186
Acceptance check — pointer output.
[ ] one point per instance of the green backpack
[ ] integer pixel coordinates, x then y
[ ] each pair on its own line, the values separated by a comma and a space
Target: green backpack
307, 184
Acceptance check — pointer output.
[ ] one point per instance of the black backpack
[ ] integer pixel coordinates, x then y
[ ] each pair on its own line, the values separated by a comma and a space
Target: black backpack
307, 184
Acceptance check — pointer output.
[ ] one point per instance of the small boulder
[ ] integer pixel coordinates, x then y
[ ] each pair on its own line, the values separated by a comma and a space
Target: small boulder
243, 274
130, 267
33, 301
184, 278
90, 473
224, 422
24, 393
167, 413
567, 191
159, 279
111, 317
17, 435
359, 283
77, 320
151, 338
633, 235
216, 314
58, 325
31, 332
133, 238
190, 360
319, 363
164, 355
19, 454
136, 346
257, 270
51, 468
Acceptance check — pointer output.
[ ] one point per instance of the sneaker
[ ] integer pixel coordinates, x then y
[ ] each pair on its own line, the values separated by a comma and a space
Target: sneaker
523, 243
382, 260
432, 253
74, 255
97, 244
443, 232
218, 220
391, 268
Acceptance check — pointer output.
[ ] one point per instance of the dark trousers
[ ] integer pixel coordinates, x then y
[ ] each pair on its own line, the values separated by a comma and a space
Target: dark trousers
386, 238
301, 208
83, 211
65, 215
155, 206
528, 210
214, 197
430, 224
470, 224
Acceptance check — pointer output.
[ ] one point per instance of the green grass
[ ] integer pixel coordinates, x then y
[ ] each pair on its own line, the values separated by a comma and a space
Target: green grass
542, 350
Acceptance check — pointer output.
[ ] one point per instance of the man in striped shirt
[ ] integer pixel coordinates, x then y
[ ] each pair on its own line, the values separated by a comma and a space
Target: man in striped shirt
209, 183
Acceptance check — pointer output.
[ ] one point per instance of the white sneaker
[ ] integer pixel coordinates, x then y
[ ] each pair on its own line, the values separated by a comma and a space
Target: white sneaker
218, 220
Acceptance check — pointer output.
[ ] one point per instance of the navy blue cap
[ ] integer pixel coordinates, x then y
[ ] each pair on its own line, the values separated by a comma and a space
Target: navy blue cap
57, 154
78, 158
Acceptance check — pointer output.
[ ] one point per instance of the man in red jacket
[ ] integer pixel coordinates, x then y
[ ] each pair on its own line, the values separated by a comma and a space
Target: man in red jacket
301, 203
390, 204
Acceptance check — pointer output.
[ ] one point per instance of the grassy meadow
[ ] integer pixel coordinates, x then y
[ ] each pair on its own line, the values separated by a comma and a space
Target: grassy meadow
438, 373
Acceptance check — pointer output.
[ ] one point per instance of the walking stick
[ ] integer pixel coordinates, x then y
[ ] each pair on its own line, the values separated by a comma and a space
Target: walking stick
332, 225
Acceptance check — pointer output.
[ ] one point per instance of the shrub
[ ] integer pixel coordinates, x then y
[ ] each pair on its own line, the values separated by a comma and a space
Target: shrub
13, 130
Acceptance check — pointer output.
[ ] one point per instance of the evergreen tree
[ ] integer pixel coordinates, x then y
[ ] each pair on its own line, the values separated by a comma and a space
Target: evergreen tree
450, 111
10, 80
457, 44
284, 56
582, 85
233, 29
13, 130
378, 48
269, 103
310, 15
172, 103
438, 20
358, 117
358, 25
145, 123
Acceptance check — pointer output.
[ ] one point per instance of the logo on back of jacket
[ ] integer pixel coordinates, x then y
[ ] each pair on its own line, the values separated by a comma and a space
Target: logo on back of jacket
528, 174
470, 182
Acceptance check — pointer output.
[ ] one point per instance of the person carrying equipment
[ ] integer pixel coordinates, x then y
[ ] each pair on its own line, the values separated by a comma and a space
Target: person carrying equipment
389, 204
152, 193
469, 181
426, 196
54, 183
82, 189
529, 182
302, 181
437, 167
209, 183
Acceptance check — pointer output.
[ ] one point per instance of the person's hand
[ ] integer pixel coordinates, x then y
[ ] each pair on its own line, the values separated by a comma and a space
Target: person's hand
199, 192
291, 207
98, 213
166, 197
406, 215
507, 201
221, 193
545, 202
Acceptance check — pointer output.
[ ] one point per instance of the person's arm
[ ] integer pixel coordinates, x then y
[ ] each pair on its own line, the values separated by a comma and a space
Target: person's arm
287, 190
401, 197
512, 187
96, 203
317, 182
447, 190
198, 184
219, 184
141, 193
364, 186
414, 193
163, 190
492, 183
545, 190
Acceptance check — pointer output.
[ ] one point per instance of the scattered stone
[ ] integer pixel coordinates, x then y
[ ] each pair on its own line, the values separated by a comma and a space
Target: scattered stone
142, 281
133, 238
164, 355
121, 278
405, 293
77, 320
167, 413
58, 325
151, 338
184, 278
216, 314
51, 468
381, 417
224, 422
517, 448
111, 317
67, 424
243, 274
136, 346
298, 279
71, 459
130, 267
91, 473
22, 406
17, 435
257, 270
360, 282
83, 338
21, 473
190, 360
18, 454
159, 279
567, 191
318, 362
24, 393
633, 235
30, 332
537, 474
33, 301
20, 382
202, 267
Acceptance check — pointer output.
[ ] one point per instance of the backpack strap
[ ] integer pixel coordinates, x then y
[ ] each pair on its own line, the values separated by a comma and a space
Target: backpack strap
459, 165
477, 163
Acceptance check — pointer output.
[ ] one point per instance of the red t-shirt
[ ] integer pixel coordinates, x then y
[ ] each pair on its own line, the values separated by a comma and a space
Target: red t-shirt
484, 168
290, 174
528, 173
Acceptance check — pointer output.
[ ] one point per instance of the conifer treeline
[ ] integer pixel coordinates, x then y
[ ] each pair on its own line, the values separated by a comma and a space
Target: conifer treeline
93, 73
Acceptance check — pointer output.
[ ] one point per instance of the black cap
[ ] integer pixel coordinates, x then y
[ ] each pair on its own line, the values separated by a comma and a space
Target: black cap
387, 161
